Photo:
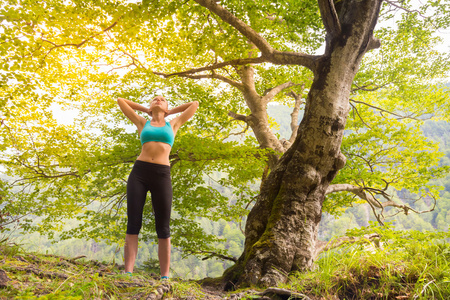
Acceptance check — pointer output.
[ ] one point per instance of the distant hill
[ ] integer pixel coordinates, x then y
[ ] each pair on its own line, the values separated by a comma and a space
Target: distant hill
282, 116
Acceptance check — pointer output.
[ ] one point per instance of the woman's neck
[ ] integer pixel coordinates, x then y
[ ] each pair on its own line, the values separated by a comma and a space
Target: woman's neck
158, 117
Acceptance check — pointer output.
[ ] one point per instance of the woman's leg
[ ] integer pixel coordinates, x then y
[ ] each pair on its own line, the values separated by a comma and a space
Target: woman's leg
136, 194
131, 248
161, 191
164, 256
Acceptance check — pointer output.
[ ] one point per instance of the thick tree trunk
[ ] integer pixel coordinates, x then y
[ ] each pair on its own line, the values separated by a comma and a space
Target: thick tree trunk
281, 229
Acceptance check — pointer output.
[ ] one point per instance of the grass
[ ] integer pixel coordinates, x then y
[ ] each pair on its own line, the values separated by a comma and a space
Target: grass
40, 276
404, 265
185, 290
408, 265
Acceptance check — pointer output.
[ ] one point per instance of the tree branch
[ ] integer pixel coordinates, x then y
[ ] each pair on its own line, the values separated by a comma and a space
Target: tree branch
237, 133
341, 187
325, 246
357, 112
134, 59
268, 53
211, 254
86, 40
238, 116
76, 45
294, 58
405, 9
295, 112
383, 110
16, 219
294, 118
365, 193
274, 91
121, 67
234, 62
368, 87
243, 28
231, 82
374, 43
41, 174
406, 208
329, 17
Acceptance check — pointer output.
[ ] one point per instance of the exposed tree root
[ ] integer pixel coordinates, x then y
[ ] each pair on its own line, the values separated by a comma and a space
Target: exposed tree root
38, 272
3, 279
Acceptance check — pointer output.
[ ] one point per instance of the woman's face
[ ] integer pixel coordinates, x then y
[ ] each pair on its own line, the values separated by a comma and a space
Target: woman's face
159, 101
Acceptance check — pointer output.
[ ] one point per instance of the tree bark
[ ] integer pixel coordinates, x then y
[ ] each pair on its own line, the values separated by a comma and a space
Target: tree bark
281, 229
258, 119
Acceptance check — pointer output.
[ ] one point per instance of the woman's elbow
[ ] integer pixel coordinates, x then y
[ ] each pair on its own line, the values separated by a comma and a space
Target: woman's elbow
121, 102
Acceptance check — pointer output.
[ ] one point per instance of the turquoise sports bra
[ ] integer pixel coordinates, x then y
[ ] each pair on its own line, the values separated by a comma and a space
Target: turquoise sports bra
157, 134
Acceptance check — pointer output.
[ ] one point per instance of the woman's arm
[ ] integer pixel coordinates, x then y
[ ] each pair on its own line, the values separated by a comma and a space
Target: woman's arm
135, 105
128, 107
187, 110
180, 108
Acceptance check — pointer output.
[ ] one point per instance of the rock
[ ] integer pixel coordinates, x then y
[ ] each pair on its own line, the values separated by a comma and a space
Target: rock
159, 291
236, 296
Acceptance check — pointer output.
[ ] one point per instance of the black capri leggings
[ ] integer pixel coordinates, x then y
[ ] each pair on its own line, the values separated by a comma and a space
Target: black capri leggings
155, 178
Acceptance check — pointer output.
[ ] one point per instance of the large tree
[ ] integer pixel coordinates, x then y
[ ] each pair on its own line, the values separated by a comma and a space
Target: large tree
235, 57
281, 229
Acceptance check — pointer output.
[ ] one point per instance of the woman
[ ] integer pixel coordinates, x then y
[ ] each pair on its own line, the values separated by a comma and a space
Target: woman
151, 172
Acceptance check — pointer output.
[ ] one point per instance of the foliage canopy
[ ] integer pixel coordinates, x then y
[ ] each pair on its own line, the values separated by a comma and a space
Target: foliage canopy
80, 55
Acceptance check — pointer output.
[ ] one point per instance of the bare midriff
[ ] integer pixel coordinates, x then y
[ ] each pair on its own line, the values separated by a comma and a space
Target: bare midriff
155, 152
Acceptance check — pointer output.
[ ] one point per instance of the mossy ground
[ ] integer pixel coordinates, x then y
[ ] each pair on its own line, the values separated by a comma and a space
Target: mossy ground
409, 265
38, 276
